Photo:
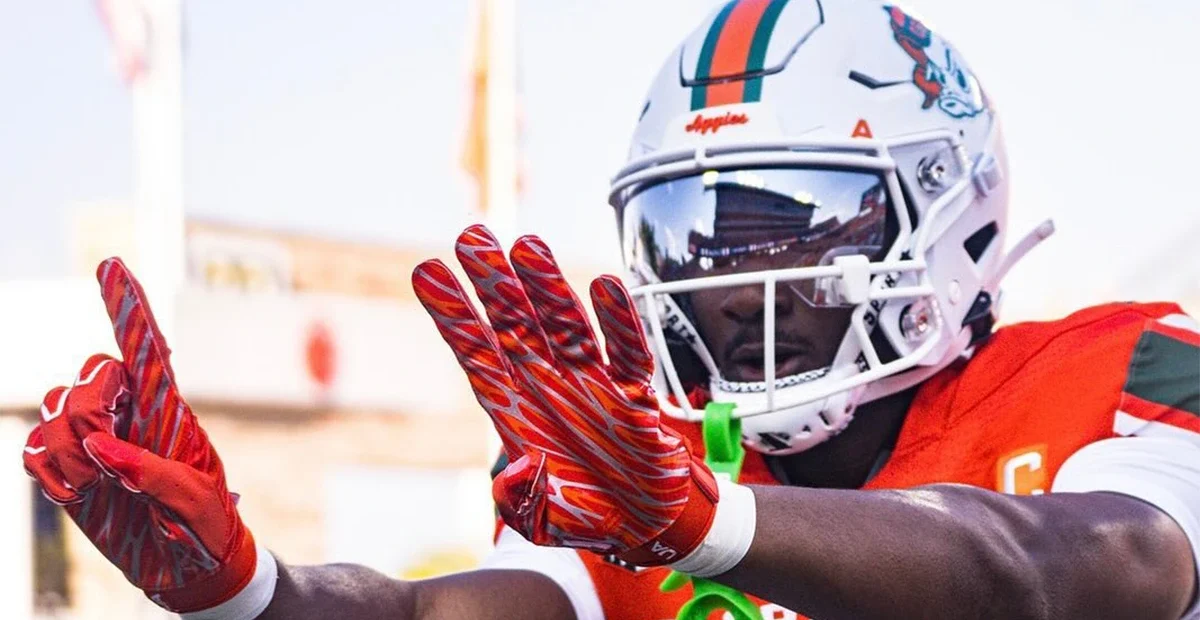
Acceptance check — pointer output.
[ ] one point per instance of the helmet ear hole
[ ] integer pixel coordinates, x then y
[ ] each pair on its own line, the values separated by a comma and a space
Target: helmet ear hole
980, 240
893, 223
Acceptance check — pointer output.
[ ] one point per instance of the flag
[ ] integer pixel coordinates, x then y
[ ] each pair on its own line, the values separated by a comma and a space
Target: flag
129, 25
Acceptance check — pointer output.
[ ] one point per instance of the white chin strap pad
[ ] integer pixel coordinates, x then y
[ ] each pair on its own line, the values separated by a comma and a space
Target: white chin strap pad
791, 428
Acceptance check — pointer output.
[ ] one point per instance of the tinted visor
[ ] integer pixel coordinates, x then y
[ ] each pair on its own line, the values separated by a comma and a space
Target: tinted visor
738, 221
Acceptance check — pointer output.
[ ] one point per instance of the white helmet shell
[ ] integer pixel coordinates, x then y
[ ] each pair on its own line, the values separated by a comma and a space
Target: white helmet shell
849, 85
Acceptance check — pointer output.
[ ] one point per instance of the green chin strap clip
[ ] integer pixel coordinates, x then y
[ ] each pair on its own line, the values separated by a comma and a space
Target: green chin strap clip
724, 455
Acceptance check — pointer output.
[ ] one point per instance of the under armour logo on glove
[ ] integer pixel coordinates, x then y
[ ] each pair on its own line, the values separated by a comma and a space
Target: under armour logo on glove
591, 465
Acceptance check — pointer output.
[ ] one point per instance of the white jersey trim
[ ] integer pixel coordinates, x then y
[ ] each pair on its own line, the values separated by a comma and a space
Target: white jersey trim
1182, 321
1128, 425
561, 565
1160, 470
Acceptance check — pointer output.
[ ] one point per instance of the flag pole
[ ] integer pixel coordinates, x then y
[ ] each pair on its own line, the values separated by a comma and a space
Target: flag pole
490, 148
147, 37
501, 123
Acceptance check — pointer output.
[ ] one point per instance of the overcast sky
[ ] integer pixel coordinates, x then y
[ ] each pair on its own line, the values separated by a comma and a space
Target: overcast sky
346, 118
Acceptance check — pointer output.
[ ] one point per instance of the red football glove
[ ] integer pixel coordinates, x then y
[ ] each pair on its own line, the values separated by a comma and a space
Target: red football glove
591, 466
123, 454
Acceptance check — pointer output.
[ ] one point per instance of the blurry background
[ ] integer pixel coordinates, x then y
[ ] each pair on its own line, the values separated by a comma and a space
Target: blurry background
273, 171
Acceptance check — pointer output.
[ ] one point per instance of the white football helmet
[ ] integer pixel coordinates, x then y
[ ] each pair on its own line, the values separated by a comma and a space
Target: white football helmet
855, 149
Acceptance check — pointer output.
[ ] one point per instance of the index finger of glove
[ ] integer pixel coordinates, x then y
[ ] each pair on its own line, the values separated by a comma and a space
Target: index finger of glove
475, 347
143, 348
156, 401
629, 358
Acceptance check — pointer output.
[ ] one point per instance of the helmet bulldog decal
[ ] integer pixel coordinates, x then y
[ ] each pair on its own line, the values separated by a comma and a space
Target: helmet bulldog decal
938, 73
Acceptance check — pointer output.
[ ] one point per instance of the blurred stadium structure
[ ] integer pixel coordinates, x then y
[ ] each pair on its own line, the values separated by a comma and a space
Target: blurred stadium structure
311, 364
297, 354
342, 420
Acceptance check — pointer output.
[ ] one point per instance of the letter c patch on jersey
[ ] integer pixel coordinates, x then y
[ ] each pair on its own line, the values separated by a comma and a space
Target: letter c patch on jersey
1022, 472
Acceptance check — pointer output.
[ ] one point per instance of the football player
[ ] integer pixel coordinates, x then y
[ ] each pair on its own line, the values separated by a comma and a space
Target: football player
813, 223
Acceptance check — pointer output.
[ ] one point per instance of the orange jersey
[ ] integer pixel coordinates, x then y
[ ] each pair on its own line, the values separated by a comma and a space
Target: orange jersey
1005, 420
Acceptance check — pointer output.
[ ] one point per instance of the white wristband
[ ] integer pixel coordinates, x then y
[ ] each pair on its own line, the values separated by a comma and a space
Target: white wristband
730, 536
252, 600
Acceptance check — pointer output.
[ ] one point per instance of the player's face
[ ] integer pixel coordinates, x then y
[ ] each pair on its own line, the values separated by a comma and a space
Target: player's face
730, 321
739, 222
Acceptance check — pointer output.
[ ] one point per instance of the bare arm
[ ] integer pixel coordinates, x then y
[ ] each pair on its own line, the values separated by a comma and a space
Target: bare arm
950, 551
359, 593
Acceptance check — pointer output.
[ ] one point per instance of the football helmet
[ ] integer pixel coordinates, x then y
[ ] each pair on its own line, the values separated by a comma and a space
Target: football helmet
854, 156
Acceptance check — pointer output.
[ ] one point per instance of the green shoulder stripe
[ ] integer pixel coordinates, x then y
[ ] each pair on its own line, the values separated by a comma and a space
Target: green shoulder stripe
1165, 371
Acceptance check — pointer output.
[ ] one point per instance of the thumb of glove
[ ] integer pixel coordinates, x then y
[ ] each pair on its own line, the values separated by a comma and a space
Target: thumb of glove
520, 495
118, 459
186, 491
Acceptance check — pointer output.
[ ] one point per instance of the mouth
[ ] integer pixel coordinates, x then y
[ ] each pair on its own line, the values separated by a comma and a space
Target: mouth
745, 362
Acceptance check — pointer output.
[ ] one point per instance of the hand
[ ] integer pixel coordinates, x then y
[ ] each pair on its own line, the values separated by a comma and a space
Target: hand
591, 466
122, 452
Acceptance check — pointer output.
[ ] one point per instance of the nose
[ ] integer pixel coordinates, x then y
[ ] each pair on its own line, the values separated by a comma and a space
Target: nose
745, 303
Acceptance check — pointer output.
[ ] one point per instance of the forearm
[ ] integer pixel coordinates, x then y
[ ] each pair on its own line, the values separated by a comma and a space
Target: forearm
959, 552
339, 591
359, 593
